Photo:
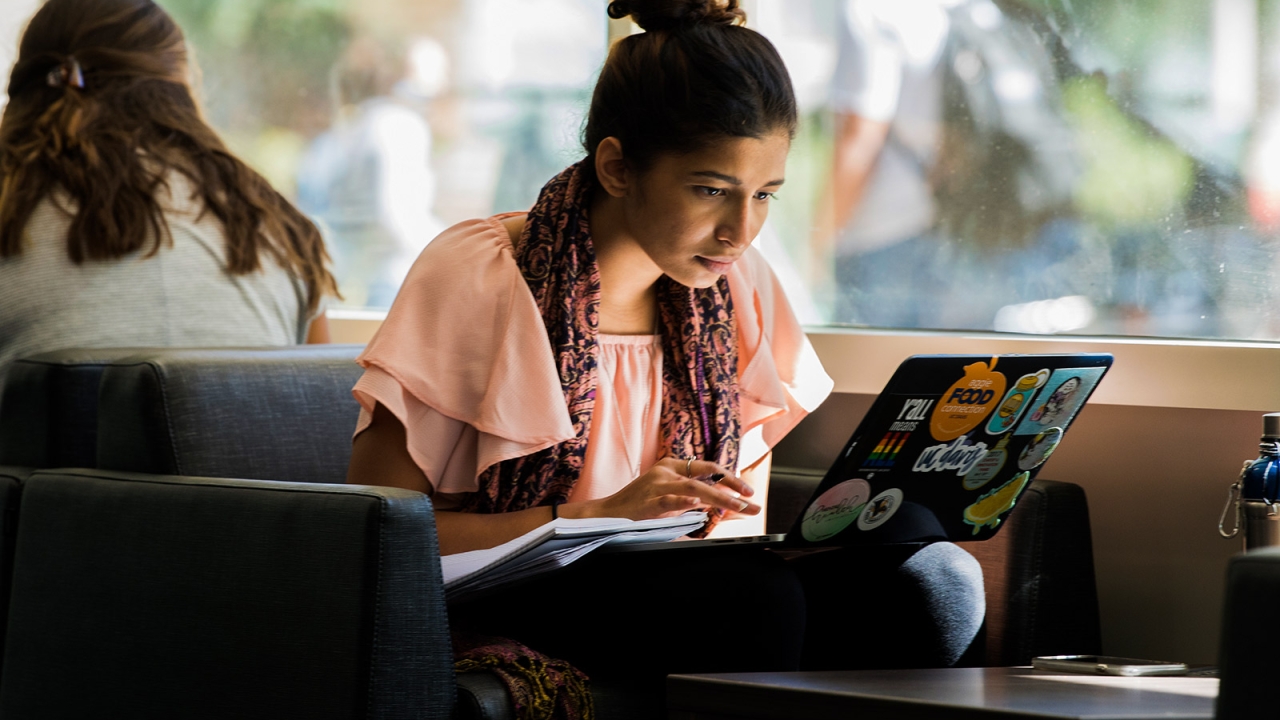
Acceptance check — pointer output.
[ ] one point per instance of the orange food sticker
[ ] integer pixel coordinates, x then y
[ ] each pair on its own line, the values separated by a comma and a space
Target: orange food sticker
968, 402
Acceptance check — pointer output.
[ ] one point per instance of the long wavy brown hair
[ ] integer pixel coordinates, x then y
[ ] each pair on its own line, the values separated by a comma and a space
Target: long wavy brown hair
100, 108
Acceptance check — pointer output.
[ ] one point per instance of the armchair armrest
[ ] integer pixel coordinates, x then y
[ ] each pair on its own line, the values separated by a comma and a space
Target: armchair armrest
165, 596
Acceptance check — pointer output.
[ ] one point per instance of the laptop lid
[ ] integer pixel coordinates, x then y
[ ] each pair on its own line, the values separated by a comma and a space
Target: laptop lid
948, 448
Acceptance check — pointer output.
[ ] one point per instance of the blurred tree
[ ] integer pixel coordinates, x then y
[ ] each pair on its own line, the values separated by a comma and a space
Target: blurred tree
265, 67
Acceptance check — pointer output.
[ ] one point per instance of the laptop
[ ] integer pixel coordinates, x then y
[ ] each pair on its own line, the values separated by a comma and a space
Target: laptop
944, 453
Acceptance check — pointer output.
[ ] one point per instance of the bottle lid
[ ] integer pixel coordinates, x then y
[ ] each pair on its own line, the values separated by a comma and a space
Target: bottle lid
1271, 426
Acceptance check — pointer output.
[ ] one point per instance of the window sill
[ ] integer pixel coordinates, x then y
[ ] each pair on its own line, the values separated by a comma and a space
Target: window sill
1148, 372
353, 325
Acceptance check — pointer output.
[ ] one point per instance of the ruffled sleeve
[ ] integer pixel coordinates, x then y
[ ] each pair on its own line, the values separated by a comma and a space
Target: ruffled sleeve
780, 377
463, 361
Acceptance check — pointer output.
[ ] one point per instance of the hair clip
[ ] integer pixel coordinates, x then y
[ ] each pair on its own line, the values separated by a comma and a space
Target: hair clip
68, 73
76, 79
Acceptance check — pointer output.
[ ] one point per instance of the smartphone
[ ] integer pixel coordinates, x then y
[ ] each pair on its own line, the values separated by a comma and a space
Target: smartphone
1104, 665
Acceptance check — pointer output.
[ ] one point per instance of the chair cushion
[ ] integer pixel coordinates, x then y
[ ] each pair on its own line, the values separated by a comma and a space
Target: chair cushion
161, 597
277, 414
49, 408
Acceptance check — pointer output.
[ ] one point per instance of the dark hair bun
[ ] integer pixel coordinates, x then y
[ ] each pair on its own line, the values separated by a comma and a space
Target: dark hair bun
666, 14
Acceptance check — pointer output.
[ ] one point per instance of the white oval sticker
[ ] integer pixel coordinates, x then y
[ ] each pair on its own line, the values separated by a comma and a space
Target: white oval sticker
834, 509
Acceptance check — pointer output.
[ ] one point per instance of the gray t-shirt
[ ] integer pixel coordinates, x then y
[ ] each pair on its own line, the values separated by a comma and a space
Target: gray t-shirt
182, 296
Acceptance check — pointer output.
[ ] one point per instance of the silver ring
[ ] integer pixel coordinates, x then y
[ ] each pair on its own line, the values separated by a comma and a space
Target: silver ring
688, 467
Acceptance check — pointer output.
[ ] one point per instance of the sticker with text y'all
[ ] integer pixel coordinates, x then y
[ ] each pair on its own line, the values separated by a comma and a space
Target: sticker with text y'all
886, 451
835, 509
967, 403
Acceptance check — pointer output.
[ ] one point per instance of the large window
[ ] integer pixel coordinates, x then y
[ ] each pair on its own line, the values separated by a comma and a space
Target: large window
1038, 166
388, 120
1048, 166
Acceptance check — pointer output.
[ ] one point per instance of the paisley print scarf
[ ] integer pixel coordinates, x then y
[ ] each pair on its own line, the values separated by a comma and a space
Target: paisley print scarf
700, 411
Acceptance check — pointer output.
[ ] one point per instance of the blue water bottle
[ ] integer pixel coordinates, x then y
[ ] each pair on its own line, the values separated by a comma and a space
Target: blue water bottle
1256, 494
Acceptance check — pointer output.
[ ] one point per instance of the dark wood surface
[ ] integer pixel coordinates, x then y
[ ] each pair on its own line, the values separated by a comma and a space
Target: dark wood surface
943, 694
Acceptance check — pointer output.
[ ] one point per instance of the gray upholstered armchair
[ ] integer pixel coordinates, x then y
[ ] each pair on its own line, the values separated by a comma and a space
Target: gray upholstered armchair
146, 543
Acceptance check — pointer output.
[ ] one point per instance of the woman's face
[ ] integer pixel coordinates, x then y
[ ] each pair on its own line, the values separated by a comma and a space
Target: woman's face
695, 214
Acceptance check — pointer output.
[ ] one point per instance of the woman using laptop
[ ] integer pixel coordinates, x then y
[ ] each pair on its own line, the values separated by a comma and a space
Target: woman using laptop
620, 350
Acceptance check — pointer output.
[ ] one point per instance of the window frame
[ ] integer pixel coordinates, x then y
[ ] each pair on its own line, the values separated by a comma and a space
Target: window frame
1148, 372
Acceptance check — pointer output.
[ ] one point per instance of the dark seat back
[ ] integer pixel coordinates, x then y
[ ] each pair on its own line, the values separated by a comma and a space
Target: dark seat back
49, 407
278, 414
162, 597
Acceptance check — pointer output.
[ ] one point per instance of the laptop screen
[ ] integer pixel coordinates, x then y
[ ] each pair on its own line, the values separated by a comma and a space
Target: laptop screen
948, 447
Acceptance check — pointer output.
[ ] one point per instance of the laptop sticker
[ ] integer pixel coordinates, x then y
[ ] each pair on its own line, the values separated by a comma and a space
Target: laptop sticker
913, 411
1060, 399
990, 509
958, 455
880, 509
886, 451
966, 404
835, 509
1016, 402
1041, 447
988, 467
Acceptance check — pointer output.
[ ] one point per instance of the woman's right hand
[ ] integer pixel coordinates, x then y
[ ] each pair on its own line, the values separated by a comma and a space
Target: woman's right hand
665, 490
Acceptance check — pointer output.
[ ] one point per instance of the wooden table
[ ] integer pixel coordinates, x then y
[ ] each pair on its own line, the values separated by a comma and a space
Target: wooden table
945, 694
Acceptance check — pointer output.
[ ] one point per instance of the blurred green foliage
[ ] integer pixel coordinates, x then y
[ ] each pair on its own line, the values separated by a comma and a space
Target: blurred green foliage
271, 55
1130, 176
265, 68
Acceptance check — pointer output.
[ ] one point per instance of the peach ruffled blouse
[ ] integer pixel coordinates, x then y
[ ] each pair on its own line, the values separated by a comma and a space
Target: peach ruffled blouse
463, 361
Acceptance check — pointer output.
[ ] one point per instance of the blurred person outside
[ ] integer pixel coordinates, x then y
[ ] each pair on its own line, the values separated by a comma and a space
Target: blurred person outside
954, 167
368, 179
124, 219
